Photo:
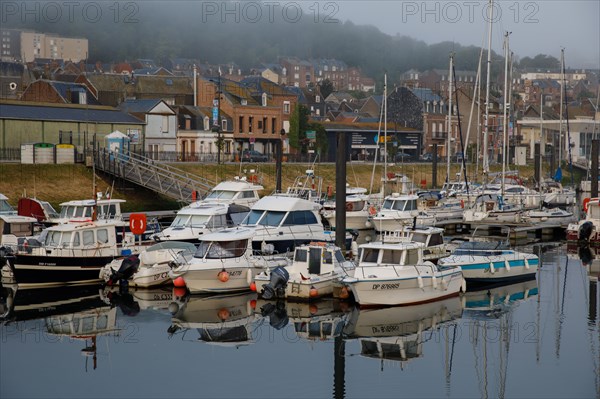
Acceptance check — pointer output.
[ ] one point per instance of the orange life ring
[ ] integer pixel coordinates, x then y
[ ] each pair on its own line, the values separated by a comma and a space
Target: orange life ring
372, 210
585, 204
349, 207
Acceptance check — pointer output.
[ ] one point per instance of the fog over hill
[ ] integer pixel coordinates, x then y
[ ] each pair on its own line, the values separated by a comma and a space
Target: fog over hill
247, 33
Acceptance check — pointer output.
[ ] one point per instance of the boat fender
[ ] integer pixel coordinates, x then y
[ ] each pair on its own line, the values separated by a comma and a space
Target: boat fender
372, 210
462, 203
434, 281
492, 269
249, 277
526, 264
507, 265
354, 248
420, 281
434, 322
463, 287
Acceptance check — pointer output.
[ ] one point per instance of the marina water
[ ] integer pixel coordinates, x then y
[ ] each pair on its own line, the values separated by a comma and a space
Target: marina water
541, 338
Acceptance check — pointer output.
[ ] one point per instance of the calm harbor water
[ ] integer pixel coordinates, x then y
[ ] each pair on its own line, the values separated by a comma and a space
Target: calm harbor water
540, 338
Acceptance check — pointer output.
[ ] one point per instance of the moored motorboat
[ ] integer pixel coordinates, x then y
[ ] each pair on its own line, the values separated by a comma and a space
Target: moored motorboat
396, 213
70, 253
148, 269
588, 229
315, 268
223, 262
396, 274
487, 262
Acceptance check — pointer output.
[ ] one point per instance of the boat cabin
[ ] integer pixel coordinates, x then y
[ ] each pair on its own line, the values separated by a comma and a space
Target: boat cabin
82, 211
401, 203
225, 244
316, 258
33, 207
237, 191
396, 254
276, 211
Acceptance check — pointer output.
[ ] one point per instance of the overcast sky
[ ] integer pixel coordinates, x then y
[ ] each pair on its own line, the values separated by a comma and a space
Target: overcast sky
537, 26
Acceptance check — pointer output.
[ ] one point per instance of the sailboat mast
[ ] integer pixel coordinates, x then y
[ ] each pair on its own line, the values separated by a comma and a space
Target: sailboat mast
385, 126
449, 129
562, 100
486, 162
504, 111
542, 141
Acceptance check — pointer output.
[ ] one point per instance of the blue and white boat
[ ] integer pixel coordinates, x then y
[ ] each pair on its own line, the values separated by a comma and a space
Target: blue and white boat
488, 262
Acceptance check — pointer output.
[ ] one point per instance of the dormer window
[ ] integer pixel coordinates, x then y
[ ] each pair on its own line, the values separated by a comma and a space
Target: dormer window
264, 99
206, 123
244, 101
224, 125
317, 99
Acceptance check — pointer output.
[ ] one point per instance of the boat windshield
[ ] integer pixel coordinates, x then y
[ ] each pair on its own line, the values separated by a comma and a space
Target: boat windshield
49, 210
70, 211
370, 255
5, 207
264, 218
221, 194
482, 252
400, 205
593, 211
190, 221
233, 334
221, 249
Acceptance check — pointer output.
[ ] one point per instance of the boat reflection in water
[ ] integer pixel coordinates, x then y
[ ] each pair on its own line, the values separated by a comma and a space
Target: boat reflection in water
397, 334
72, 312
489, 313
312, 321
224, 320
132, 300
492, 301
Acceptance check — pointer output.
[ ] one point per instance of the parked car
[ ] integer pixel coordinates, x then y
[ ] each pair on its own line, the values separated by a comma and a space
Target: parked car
458, 157
402, 156
427, 157
254, 156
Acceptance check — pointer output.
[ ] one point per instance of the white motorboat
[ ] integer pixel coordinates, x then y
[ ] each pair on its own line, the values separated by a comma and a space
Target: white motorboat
488, 262
397, 212
199, 218
224, 320
552, 216
587, 229
223, 262
431, 237
81, 211
358, 210
71, 253
397, 274
315, 268
281, 222
446, 210
555, 194
150, 268
491, 208
238, 191
13, 226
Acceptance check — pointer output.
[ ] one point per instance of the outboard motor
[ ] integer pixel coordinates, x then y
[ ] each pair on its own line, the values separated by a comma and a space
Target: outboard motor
277, 283
277, 313
585, 231
129, 266
585, 254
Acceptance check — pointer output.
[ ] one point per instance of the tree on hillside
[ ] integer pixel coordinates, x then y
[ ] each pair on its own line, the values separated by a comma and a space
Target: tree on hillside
326, 88
540, 61
298, 127
321, 144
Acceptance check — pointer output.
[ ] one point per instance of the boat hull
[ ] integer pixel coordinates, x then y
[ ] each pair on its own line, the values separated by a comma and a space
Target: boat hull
489, 270
301, 289
206, 280
35, 270
406, 291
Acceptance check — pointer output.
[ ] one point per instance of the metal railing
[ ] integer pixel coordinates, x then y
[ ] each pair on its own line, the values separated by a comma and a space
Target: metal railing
155, 175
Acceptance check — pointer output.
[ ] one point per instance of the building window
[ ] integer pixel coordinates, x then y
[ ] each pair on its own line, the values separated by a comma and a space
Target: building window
264, 124
317, 99
206, 123
241, 124
165, 124
286, 107
250, 123
260, 125
273, 125
264, 99
224, 125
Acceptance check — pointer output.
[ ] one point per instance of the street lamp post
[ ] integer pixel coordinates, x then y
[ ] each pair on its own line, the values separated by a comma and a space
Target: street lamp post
278, 161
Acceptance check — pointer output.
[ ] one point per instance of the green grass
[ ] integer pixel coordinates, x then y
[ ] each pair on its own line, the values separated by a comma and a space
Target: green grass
60, 183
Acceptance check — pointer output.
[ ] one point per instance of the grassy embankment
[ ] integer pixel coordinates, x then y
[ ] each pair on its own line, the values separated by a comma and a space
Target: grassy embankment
60, 183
